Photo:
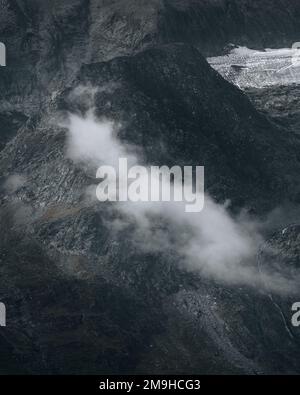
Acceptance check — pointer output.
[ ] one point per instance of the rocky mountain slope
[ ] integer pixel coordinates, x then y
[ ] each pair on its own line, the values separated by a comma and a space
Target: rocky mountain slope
47, 41
83, 296
279, 103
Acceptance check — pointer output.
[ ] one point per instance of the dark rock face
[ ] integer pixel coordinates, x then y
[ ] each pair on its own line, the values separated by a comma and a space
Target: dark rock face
283, 247
280, 104
198, 117
210, 25
10, 123
82, 298
47, 41
180, 111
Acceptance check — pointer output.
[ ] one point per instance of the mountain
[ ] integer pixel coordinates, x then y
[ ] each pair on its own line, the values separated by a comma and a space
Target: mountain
84, 294
48, 41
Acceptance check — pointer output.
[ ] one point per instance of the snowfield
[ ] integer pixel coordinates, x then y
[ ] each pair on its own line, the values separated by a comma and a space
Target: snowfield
252, 68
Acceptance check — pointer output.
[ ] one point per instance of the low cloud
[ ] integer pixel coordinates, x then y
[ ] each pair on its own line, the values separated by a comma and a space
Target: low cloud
213, 243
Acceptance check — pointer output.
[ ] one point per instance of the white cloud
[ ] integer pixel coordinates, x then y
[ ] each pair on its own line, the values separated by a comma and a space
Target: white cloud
212, 242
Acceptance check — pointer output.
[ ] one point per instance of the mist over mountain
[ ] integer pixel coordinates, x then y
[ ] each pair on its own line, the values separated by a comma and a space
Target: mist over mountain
91, 289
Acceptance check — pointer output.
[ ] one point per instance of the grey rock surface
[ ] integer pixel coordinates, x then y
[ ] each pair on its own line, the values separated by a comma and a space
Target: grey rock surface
81, 297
